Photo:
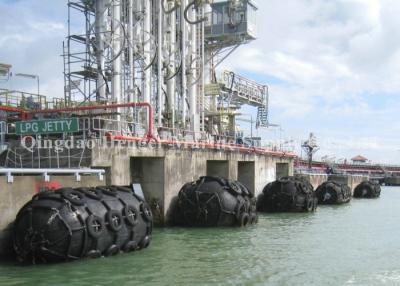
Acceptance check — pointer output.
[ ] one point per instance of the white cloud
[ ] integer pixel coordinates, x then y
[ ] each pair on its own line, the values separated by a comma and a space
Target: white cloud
334, 65
339, 63
31, 40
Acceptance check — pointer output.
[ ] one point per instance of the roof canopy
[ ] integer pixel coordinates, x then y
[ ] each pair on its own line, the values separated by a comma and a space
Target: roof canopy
359, 158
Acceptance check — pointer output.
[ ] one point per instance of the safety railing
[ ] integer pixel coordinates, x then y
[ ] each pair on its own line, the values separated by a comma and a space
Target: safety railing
117, 130
46, 173
107, 127
31, 101
24, 100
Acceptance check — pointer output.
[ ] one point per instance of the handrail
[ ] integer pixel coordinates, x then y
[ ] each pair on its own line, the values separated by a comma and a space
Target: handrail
45, 172
149, 135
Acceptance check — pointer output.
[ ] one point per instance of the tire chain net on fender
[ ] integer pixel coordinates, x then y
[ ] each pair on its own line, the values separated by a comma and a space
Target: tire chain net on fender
367, 189
214, 201
288, 194
338, 193
69, 224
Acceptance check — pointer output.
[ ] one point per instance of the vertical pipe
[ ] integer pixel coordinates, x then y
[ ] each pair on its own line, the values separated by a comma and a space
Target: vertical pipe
131, 62
206, 69
171, 46
146, 37
99, 31
116, 51
147, 50
136, 38
184, 25
159, 63
193, 87
203, 70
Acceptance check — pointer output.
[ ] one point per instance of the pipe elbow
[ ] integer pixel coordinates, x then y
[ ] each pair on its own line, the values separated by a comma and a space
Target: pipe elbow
186, 11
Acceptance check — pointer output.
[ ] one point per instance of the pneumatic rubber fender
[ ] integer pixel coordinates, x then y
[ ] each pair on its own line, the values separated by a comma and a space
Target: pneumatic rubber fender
215, 201
288, 194
367, 189
69, 224
331, 192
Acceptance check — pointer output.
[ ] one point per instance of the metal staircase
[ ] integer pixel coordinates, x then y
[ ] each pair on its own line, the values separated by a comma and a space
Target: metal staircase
262, 117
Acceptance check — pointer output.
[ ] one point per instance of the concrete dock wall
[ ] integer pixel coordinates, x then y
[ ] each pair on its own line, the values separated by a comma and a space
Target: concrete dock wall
162, 171
14, 196
315, 179
392, 181
351, 180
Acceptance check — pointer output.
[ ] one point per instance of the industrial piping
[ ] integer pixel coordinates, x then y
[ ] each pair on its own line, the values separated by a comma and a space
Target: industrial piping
214, 145
25, 113
149, 134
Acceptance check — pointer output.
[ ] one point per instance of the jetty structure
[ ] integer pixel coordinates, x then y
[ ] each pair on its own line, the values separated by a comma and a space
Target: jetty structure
145, 102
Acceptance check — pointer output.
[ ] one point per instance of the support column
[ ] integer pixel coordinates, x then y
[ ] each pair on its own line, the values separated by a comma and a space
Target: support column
171, 47
147, 56
159, 64
116, 51
184, 26
131, 87
120, 170
100, 10
194, 118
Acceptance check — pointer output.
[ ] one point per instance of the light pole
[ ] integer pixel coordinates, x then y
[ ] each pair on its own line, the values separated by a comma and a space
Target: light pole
248, 121
32, 76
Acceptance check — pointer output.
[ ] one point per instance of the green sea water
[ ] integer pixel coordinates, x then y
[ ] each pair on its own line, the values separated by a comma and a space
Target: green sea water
354, 244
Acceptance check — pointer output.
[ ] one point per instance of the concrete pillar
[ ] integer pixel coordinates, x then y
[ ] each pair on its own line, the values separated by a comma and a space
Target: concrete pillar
218, 168
246, 174
120, 170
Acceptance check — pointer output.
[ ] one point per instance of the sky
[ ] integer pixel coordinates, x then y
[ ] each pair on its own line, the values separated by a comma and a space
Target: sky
333, 67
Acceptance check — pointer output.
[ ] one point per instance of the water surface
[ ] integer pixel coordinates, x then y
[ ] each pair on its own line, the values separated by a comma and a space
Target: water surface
354, 244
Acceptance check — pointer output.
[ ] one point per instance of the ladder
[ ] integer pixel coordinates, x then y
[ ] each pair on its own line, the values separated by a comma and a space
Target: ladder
262, 116
262, 111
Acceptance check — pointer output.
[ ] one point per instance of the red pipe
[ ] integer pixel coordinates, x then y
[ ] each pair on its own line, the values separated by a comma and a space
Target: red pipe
14, 109
11, 109
149, 134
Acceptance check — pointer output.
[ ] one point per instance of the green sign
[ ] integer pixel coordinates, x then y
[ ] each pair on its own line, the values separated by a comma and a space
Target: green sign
47, 126
212, 89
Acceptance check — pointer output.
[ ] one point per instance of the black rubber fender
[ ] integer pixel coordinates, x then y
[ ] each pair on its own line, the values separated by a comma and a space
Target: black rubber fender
94, 254
146, 212
112, 250
115, 220
240, 208
244, 219
131, 215
235, 189
69, 224
92, 193
212, 202
310, 204
145, 242
73, 196
253, 218
95, 226
130, 246
109, 191
287, 194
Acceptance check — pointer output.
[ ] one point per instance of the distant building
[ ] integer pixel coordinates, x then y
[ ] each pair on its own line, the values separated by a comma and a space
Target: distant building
359, 160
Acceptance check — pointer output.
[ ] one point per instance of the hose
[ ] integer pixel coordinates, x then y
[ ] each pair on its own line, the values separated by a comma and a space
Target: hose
176, 6
195, 4
178, 70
